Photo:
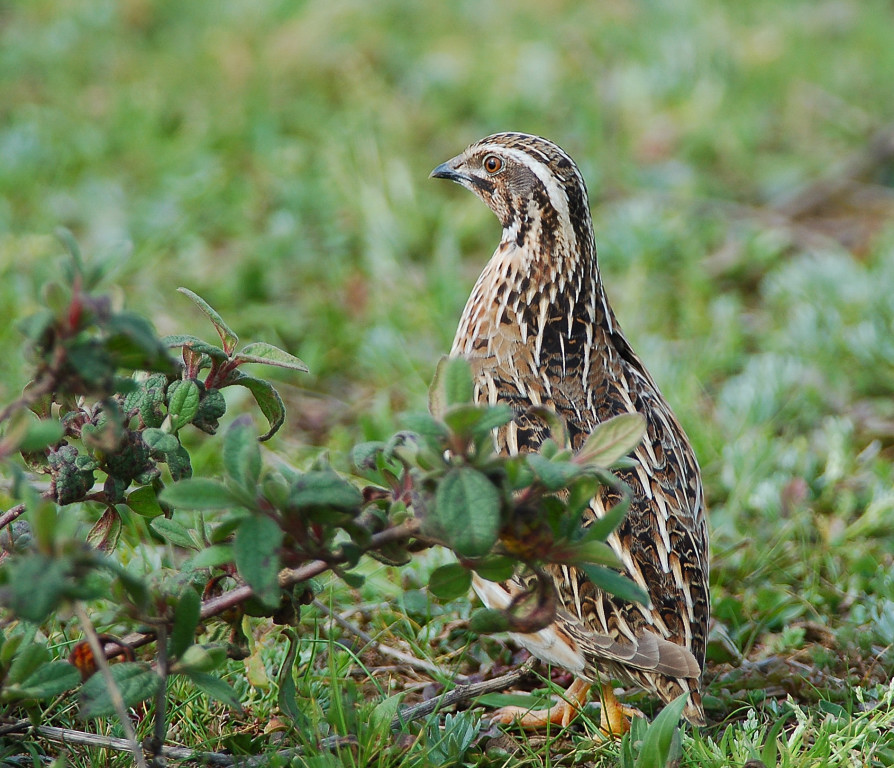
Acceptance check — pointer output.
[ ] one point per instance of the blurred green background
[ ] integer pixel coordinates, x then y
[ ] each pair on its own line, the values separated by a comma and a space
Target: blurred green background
274, 158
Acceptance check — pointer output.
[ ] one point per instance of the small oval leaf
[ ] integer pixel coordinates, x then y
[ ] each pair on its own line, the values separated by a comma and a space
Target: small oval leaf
215, 688
615, 583
136, 682
261, 352
241, 455
159, 441
256, 551
451, 385
106, 531
449, 581
324, 488
39, 434
173, 532
467, 506
183, 403
267, 398
611, 440
487, 620
144, 502
553, 474
186, 619
495, 568
198, 493
49, 680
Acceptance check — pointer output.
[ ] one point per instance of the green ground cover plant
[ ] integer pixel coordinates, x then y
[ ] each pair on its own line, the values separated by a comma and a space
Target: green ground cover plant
274, 160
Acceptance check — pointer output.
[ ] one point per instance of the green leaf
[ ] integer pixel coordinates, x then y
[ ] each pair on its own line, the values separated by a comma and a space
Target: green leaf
43, 517
136, 682
287, 696
612, 440
215, 688
601, 527
38, 584
196, 345
227, 336
241, 456
261, 352
106, 531
266, 397
324, 488
613, 582
39, 434
462, 419
256, 552
179, 464
427, 427
144, 502
580, 495
467, 506
450, 581
458, 387
186, 619
30, 658
659, 745
594, 552
201, 658
172, 531
492, 417
554, 475
495, 568
133, 343
210, 557
34, 326
67, 238
352, 579
198, 493
159, 441
487, 620
558, 430
770, 751
51, 679
91, 361
474, 420
363, 455
385, 711
183, 403
134, 585
451, 385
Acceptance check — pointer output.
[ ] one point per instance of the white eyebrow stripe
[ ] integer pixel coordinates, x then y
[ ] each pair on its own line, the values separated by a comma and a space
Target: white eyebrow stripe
550, 181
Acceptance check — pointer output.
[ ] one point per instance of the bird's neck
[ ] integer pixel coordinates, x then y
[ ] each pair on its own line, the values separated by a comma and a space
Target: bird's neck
538, 291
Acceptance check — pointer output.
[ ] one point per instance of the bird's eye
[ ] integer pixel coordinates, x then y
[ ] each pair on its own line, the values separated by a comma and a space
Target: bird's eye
492, 164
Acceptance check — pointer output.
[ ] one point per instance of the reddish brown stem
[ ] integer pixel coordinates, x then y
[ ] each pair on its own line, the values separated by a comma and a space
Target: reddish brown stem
11, 514
214, 606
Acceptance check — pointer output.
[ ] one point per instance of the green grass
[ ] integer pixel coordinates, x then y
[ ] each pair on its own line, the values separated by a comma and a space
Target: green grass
274, 159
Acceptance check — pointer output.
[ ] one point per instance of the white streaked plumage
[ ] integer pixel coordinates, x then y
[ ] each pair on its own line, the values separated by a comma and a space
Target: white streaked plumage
538, 329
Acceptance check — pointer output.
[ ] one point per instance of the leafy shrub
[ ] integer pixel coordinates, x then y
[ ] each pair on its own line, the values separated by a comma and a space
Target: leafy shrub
102, 422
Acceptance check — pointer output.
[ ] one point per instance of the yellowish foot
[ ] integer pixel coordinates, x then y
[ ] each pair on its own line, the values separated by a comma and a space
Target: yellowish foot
613, 720
562, 713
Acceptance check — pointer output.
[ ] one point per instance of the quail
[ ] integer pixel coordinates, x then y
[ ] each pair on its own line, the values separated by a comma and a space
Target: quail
538, 331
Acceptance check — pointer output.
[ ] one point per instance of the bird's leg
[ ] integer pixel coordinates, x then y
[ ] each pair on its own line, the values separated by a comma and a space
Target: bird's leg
613, 720
561, 713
